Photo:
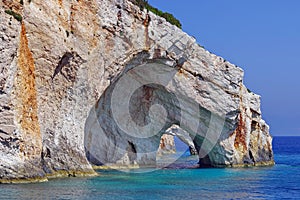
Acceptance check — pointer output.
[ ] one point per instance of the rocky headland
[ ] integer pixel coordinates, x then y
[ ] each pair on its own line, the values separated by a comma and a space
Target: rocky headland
65, 67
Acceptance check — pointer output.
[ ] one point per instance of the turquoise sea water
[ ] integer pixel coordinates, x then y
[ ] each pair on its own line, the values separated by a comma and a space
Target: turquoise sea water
281, 181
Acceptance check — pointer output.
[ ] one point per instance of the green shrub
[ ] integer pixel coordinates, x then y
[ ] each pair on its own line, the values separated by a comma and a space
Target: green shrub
169, 17
17, 16
139, 3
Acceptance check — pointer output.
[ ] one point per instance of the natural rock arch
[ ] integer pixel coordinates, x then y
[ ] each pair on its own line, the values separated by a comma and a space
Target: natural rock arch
49, 139
183, 136
119, 137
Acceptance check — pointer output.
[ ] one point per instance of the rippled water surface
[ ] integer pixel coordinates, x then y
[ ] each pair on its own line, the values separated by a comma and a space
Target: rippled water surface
278, 182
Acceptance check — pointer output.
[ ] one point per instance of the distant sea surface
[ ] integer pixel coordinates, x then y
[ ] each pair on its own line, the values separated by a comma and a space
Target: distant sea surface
281, 181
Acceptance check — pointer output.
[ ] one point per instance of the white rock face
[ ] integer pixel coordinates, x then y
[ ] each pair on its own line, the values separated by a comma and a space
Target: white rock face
166, 145
59, 69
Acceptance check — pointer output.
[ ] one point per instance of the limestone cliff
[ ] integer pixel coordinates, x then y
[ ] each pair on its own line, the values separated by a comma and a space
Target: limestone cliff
62, 63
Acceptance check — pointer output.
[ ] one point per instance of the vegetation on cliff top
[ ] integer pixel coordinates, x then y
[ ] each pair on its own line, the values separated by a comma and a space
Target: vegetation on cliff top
169, 17
17, 16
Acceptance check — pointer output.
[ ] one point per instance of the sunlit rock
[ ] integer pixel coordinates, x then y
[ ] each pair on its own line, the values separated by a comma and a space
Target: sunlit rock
59, 67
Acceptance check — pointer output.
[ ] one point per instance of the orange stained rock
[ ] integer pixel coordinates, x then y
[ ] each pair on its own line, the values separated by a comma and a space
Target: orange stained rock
240, 134
26, 101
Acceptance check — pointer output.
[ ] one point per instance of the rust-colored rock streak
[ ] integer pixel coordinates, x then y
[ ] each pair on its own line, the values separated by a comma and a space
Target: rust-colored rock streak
60, 2
85, 28
146, 33
26, 101
240, 134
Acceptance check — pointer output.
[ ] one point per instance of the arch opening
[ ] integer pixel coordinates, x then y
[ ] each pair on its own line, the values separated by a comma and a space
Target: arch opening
173, 152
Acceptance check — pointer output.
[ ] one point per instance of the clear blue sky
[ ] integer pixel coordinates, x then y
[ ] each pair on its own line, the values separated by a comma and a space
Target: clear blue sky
260, 36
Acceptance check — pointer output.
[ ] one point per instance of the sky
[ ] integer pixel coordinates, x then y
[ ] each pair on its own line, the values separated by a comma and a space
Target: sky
260, 36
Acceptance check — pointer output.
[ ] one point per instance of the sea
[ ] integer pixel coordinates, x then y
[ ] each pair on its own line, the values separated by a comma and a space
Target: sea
281, 181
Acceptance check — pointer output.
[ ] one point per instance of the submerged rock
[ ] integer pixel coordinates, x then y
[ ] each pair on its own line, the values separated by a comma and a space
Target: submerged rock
62, 105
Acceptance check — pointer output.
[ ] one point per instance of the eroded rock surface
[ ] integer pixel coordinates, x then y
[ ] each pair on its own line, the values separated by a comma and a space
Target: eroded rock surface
60, 62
